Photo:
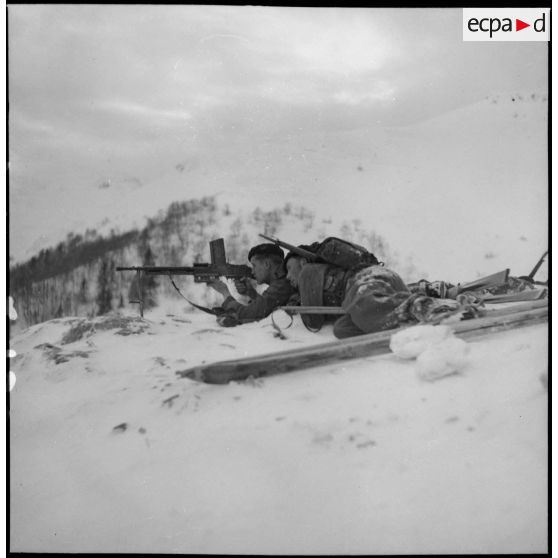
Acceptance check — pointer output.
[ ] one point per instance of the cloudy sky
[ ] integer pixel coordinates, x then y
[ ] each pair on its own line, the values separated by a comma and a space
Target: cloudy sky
97, 90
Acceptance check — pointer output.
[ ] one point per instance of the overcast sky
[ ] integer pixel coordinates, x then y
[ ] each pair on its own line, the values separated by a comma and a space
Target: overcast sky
95, 89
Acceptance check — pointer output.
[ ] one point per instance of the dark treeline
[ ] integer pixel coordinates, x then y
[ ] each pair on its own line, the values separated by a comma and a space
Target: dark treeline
78, 276
66, 256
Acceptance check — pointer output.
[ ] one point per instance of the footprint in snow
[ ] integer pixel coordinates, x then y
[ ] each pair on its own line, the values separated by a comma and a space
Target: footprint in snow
209, 330
322, 439
368, 444
170, 400
357, 439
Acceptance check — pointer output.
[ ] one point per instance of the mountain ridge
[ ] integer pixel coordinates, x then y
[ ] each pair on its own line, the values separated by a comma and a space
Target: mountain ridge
267, 171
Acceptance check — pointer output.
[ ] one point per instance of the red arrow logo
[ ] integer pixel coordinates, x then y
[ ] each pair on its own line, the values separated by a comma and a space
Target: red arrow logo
519, 25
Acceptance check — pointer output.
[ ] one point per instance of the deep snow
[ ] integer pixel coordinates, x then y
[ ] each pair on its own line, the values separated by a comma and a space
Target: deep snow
112, 452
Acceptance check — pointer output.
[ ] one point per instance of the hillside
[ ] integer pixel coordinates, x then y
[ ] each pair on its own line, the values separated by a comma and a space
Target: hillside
462, 194
453, 198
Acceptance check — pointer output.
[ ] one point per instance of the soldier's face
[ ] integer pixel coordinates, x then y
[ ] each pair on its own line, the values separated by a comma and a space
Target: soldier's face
294, 267
260, 269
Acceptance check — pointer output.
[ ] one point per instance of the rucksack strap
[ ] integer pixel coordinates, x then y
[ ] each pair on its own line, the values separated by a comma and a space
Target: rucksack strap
214, 311
311, 289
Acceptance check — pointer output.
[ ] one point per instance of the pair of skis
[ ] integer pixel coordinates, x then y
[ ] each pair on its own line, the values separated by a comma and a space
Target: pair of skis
520, 315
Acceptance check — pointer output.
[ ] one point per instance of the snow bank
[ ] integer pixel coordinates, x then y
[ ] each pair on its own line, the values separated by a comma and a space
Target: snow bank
112, 452
442, 359
411, 342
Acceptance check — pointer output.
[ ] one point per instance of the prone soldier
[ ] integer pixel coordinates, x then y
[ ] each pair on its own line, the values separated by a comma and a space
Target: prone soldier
267, 266
368, 293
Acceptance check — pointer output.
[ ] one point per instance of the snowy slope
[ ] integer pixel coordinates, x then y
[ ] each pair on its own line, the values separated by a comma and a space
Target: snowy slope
440, 191
112, 452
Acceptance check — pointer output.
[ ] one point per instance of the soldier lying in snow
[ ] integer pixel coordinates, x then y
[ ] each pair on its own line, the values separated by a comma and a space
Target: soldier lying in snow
375, 298
368, 295
267, 264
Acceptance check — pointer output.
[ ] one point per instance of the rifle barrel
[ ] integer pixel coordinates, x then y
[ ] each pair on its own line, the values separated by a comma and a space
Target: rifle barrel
298, 251
231, 270
161, 269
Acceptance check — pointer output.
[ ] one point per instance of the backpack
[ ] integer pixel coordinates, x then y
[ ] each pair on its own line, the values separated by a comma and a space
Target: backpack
345, 254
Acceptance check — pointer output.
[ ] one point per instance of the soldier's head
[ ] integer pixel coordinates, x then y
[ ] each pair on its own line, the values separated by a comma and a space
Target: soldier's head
267, 262
295, 262
294, 265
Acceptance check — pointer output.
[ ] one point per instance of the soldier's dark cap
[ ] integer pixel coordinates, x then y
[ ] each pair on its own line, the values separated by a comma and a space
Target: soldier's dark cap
265, 250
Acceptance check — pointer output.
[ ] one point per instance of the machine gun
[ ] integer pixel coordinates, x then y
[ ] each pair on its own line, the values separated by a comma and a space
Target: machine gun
202, 272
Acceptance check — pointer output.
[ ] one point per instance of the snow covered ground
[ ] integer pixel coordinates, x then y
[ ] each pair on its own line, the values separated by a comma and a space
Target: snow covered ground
110, 451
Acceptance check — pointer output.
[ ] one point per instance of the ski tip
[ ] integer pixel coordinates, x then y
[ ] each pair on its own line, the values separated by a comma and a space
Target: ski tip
196, 374
205, 374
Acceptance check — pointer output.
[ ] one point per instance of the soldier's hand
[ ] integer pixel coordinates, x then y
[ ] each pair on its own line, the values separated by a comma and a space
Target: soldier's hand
294, 300
241, 286
244, 287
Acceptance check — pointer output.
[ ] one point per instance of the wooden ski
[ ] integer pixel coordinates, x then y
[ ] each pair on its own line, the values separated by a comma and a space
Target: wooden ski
372, 344
494, 280
527, 294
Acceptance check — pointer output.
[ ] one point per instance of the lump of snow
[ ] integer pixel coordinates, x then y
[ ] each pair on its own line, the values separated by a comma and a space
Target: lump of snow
438, 352
442, 359
11, 310
12, 380
412, 341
